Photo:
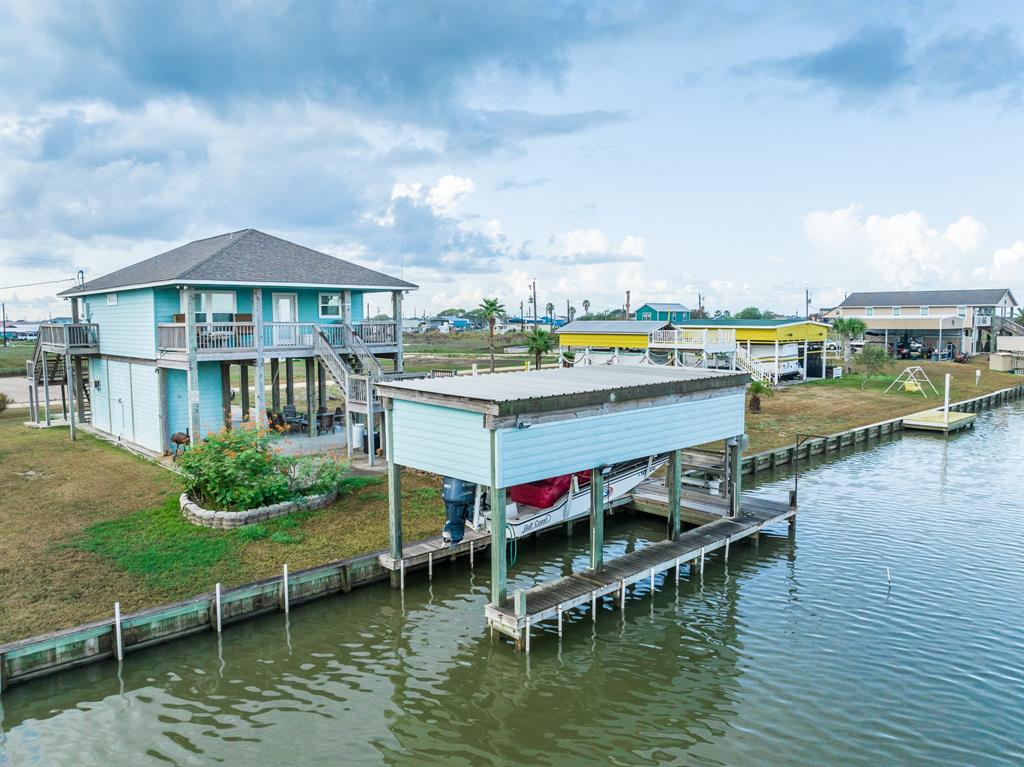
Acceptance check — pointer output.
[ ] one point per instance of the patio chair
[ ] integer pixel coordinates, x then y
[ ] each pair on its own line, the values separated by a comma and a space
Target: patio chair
325, 423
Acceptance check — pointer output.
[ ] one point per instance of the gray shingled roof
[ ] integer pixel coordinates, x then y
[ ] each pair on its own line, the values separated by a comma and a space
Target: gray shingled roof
612, 326
538, 391
669, 307
248, 256
982, 297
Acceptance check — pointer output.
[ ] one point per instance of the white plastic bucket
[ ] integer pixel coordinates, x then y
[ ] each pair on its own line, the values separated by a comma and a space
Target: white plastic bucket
358, 432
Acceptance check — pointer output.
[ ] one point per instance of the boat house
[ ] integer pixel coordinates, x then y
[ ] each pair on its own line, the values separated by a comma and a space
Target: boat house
156, 348
498, 431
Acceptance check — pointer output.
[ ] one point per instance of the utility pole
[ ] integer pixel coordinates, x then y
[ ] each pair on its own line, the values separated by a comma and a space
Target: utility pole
567, 317
534, 285
700, 306
807, 303
3, 314
627, 304
522, 317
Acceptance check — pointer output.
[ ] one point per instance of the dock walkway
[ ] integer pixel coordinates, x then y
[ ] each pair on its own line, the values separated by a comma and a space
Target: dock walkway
935, 420
547, 601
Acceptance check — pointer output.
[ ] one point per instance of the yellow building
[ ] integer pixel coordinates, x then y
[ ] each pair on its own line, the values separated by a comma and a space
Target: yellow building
608, 334
785, 331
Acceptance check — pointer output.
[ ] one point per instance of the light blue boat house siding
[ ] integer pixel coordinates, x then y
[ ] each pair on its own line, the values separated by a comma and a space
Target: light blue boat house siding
138, 382
428, 437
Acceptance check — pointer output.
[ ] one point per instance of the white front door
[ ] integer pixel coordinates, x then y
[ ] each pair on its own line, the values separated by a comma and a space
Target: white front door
285, 309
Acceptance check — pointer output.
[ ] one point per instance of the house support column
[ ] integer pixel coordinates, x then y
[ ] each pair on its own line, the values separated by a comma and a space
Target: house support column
193, 366
76, 376
370, 418
225, 392
289, 383
734, 453
275, 385
674, 479
311, 395
396, 312
321, 384
499, 549
71, 395
803, 371
596, 518
46, 388
261, 381
394, 501
244, 389
778, 373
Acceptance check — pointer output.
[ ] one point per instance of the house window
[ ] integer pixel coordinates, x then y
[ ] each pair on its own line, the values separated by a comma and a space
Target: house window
897, 311
112, 299
214, 305
330, 305
869, 311
924, 311
961, 311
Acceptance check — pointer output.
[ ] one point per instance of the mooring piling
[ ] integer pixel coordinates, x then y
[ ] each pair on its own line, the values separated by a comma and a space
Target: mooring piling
216, 602
117, 631
285, 589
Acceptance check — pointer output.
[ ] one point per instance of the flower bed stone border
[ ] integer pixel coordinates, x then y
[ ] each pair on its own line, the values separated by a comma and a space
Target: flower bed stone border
228, 520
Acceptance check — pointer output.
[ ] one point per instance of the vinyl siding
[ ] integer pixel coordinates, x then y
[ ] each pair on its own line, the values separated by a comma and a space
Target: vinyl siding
604, 340
211, 416
550, 449
99, 404
308, 301
800, 332
127, 328
145, 392
442, 440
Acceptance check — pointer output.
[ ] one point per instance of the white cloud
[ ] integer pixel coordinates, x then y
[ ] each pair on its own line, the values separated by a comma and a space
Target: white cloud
442, 198
903, 250
1006, 267
585, 241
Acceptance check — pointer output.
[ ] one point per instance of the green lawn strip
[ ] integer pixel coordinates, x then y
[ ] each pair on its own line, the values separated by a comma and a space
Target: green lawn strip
165, 551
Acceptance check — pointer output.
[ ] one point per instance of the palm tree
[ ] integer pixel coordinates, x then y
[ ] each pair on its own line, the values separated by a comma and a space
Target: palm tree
490, 310
1019, 317
586, 307
572, 314
848, 328
549, 309
539, 341
756, 389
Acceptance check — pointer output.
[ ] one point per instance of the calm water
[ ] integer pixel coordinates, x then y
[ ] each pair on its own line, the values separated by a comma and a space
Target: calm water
797, 653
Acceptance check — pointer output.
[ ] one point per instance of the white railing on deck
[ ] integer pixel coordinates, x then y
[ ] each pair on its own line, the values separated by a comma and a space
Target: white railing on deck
376, 332
713, 339
210, 336
288, 335
76, 334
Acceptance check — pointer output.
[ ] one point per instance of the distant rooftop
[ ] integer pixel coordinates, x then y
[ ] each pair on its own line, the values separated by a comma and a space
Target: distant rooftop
247, 257
612, 326
539, 391
974, 297
669, 307
733, 322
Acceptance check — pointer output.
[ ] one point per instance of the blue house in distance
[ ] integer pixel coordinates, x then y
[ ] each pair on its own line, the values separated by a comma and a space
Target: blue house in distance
663, 312
151, 348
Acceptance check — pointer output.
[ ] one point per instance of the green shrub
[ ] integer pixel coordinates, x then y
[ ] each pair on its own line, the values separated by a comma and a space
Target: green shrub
4, 402
238, 469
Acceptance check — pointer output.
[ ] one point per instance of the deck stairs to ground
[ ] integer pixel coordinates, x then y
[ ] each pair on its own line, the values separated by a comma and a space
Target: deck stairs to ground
56, 373
1007, 326
355, 360
758, 370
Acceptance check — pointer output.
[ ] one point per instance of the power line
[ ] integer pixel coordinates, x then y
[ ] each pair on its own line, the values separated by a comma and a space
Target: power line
33, 284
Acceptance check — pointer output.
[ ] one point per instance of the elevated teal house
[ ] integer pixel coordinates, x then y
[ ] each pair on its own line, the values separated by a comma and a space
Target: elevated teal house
151, 348
665, 312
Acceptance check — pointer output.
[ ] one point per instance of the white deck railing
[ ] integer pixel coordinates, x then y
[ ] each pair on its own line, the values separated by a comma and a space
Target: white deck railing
213, 337
74, 336
705, 339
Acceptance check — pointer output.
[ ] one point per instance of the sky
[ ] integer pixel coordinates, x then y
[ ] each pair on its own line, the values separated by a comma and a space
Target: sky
740, 152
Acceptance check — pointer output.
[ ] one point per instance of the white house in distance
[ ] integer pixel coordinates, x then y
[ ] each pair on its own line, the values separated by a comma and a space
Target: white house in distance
969, 319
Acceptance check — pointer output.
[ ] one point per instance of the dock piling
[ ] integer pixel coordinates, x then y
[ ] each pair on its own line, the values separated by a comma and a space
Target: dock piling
285, 589
216, 605
117, 631
559, 620
593, 607
430, 566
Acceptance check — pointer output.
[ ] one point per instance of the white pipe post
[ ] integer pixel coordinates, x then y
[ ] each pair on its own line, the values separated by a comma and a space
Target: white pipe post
977, 377
946, 406
559, 620
216, 597
430, 565
593, 607
117, 631
285, 589
474, 369
527, 634
471, 547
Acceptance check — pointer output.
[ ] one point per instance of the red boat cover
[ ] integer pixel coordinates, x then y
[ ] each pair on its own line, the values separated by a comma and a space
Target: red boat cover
545, 493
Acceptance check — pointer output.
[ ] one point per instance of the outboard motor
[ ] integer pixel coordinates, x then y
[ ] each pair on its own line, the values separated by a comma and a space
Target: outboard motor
458, 504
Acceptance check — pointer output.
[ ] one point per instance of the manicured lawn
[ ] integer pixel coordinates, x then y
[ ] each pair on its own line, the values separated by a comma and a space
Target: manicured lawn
14, 356
824, 407
86, 524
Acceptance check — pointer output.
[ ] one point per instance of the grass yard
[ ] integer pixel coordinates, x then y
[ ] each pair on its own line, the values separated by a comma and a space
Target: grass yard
831, 405
87, 524
14, 356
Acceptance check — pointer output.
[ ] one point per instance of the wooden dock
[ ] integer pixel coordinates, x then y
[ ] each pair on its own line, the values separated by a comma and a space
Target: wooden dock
696, 508
935, 420
435, 549
518, 613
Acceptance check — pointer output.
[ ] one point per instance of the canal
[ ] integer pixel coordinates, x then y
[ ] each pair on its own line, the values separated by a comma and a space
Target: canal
797, 652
